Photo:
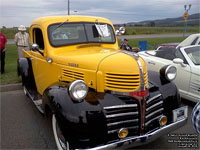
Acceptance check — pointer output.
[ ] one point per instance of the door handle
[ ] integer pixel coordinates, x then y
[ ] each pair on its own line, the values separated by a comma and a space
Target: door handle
151, 62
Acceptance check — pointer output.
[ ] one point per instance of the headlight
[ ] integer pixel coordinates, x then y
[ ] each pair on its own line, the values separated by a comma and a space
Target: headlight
169, 72
78, 90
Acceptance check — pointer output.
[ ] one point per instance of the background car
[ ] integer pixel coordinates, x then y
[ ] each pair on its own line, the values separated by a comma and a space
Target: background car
193, 39
187, 62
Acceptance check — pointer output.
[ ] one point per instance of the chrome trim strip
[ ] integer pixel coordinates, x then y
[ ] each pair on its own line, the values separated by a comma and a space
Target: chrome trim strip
120, 106
121, 114
142, 86
149, 108
198, 84
121, 122
142, 76
147, 123
144, 139
154, 97
153, 113
195, 88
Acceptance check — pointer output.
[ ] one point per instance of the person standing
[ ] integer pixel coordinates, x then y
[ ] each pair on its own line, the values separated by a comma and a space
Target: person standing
3, 42
22, 40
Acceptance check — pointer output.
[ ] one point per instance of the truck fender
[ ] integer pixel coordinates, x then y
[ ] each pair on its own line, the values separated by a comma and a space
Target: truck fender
168, 89
23, 66
86, 115
58, 100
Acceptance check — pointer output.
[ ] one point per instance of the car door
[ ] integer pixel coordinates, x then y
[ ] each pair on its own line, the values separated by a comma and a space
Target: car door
192, 54
194, 91
38, 61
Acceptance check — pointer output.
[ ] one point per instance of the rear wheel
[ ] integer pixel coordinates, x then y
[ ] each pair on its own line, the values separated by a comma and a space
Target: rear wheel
61, 143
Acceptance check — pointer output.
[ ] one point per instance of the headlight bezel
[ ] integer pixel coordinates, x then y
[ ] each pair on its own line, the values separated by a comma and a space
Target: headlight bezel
166, 71
73, 89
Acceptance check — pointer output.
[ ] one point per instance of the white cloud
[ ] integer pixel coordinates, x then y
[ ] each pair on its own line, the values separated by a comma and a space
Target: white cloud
16, 12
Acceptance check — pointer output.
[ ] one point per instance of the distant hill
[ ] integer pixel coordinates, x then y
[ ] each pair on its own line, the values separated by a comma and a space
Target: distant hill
193, 20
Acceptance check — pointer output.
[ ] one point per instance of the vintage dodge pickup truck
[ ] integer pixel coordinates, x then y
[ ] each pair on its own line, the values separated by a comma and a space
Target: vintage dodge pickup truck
98, 96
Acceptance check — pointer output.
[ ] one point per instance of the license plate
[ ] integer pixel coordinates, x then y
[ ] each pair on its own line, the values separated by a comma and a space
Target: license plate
180, 113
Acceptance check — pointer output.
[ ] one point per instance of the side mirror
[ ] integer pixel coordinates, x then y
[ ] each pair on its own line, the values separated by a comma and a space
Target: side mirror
179, 61
121, 31
35, 48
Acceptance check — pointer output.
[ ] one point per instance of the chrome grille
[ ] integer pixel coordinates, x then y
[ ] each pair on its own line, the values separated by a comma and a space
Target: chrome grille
122, 82
122, 116
72, 75
154, 110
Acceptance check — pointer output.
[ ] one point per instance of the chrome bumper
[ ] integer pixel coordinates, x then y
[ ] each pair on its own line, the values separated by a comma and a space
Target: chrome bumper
144, 139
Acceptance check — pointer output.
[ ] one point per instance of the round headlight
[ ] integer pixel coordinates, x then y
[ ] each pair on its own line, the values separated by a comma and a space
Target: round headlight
78, 90
169, 72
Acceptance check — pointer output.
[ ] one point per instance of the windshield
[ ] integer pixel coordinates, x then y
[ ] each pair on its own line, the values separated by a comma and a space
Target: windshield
194, 54
76, 33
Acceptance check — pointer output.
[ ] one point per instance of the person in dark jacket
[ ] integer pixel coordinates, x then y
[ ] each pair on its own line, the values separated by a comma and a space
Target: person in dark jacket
3, 42
125, 46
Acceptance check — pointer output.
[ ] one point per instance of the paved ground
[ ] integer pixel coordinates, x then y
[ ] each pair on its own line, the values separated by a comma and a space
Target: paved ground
23, 127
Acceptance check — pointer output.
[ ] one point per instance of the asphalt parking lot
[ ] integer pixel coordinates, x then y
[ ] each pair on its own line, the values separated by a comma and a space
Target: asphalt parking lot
23, 127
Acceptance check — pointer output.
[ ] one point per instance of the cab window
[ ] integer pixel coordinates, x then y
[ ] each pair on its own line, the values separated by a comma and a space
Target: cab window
38, 38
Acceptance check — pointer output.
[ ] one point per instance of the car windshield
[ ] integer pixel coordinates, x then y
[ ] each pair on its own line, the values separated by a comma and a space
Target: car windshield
194, 54
76, 33
164, 52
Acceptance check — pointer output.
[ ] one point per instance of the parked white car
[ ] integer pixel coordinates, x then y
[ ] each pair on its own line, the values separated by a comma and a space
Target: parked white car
187, 62
193, 39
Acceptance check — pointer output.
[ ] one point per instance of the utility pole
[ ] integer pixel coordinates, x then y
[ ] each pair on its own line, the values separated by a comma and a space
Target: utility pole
68, 8
185, 16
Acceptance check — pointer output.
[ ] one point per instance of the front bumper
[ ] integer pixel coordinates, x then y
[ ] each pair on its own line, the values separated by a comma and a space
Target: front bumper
144, 139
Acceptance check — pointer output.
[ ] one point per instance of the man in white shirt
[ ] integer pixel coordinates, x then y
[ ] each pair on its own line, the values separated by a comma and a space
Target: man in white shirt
22, 40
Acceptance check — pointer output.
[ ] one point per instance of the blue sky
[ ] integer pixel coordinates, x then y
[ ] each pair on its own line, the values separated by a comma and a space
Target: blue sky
17, 12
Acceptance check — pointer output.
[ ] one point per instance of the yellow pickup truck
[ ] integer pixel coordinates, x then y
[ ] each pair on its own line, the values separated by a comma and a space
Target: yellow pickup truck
98, 96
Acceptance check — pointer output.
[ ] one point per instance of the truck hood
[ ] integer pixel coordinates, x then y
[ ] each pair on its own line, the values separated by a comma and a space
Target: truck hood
94, 58
115, 70
85, 58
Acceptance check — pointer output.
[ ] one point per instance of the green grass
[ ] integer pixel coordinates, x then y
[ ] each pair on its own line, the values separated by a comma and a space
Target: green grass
10, 32
10, 75
160, 30
155, 41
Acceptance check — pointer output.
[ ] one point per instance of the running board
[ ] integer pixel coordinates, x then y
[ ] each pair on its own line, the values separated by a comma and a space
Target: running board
38, 103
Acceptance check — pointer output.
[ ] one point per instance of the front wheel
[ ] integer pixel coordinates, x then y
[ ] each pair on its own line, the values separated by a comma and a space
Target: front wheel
61, 143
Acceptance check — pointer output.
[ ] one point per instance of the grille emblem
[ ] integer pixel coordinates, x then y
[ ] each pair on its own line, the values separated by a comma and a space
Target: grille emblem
139, 93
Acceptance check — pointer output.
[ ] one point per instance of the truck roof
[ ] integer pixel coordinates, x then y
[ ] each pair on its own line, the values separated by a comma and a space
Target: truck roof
59, 19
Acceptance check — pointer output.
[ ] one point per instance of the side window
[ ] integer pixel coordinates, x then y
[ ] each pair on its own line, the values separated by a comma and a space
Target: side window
38, 38
194, 41
180, 55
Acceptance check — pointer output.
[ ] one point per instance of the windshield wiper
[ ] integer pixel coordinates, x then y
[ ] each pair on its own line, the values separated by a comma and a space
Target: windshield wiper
60, 25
